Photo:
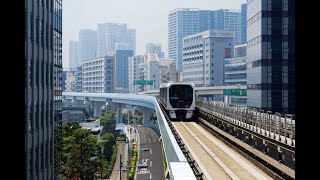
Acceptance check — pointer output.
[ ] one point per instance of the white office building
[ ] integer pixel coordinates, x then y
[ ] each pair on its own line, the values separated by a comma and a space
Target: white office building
133, 69
97, 75
203, 57
152, 71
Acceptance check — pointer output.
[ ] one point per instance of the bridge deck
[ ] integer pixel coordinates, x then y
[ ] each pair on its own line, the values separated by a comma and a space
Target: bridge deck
216, 160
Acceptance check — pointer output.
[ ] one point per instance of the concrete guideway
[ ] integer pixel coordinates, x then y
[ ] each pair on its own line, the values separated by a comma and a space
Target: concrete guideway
216, 160
117, 100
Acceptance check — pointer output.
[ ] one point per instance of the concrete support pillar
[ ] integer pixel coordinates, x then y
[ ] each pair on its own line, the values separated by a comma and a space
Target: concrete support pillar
97, 111
146, 114
119, 115
146, 117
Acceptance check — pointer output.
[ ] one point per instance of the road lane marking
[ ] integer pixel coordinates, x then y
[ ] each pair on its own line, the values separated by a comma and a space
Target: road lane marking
150, 176
149, 140
150, 163
150, 151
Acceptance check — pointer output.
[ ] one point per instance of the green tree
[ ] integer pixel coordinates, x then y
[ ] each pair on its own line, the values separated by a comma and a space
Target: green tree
81, 159
108, 121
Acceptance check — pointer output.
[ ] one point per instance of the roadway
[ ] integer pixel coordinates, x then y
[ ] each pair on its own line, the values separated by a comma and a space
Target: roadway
152, 158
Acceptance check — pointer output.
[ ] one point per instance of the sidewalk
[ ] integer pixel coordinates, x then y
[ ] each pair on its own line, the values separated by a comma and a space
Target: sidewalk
122, 148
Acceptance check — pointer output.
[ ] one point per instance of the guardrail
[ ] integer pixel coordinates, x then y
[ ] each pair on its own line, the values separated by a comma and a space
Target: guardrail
281, 126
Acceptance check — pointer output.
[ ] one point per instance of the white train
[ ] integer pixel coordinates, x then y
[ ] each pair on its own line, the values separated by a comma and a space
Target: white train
178, 100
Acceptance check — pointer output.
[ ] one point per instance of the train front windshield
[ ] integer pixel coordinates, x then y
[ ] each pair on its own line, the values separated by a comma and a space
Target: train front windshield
180, 96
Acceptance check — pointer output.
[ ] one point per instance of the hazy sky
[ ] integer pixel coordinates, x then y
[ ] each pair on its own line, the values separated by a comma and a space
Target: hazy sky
148, 17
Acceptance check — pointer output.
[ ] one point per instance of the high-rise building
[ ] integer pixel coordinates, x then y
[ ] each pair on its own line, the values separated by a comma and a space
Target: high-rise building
131, 39
168, 71
41, 69
109, 34
96, 77
154, 48
235, 73
87, 44
74, 60
121, 68
240, 50
64, 79
203, 57
244, 23
228, 19
152, 71
71, 81
78, 79
184, 22
57, 85
141, 75
133, 71
271, 55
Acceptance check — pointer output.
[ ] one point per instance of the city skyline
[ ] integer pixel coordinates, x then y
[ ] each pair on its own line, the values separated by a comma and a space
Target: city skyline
130, 12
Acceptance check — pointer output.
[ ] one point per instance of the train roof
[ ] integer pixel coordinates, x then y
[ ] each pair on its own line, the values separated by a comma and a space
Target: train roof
163, 85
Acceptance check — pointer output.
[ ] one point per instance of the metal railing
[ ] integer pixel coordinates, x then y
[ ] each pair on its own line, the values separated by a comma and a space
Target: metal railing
276, 126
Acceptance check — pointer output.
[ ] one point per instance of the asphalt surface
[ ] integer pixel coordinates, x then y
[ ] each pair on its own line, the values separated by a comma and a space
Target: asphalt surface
121, 149
152, 158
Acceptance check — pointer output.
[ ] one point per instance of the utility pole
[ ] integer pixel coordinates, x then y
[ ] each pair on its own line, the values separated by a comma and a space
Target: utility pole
120, 166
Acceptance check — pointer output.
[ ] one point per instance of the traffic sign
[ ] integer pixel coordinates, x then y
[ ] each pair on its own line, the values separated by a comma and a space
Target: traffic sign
235, 92
143, 82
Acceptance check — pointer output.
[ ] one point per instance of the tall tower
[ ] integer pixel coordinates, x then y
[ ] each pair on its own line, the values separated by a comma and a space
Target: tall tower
271, 55
43, 63
87, 44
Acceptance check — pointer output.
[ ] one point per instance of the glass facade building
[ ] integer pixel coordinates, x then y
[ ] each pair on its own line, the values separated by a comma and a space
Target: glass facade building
244, 23
121, 68
57, 82
43, 67
235, 71
187, 21
87, 44
74, 60
154, 48
109, 34
271, 55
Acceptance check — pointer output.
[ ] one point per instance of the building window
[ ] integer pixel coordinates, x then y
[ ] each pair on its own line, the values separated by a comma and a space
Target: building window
30, 161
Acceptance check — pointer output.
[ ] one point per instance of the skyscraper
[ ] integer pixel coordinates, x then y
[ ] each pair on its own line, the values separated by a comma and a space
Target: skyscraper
87, 44
243, 23
109, 34
131, 39
57, 85
121, 68
228, 19
154, 48
41, 68
74, 61
184, 22
271, 55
